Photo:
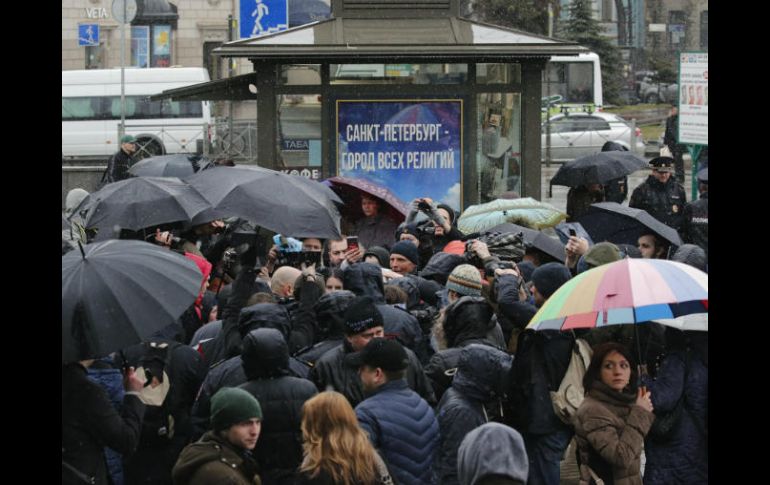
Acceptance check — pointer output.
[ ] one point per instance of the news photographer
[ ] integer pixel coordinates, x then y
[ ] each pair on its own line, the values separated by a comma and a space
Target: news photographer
441, 222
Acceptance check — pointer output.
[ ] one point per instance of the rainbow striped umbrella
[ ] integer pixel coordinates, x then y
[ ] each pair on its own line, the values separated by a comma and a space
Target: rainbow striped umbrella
626, 291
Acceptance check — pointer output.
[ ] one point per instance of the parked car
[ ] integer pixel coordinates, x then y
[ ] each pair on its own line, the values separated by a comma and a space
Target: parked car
579, 134
652, 92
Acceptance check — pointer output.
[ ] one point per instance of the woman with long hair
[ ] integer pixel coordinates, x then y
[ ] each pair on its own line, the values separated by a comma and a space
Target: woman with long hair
336, 449
612, 421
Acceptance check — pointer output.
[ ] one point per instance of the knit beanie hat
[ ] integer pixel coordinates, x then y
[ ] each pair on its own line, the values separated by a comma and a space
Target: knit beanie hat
465, 280
526, 268
362, 315
405, 228
408, 250
549, 277
231, 405
602, 253
381, 254
691, 254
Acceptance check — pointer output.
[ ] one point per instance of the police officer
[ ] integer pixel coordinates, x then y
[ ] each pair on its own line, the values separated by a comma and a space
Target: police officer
661, 195
695, 227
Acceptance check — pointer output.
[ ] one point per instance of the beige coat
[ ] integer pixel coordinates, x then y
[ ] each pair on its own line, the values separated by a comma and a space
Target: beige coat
611, 424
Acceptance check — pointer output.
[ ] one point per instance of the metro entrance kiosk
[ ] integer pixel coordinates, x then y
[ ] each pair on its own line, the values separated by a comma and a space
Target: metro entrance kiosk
410, 96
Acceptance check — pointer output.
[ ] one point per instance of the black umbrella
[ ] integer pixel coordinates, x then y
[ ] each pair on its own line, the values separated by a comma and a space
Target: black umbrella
140, 202
287, 204
536, 239
176, 165
598, 168
119, 292
619, 224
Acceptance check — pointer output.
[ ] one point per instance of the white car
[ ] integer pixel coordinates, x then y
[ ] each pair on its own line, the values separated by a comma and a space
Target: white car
578, 134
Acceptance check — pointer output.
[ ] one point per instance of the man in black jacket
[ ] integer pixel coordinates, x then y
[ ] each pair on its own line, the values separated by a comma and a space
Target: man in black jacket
695, 229
541, 361
121, 161
363, 322
661, 195
90, 422
670, 137
266, 364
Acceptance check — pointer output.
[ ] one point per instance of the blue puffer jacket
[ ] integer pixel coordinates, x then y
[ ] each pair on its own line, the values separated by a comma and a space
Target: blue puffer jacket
403, 427
683, 459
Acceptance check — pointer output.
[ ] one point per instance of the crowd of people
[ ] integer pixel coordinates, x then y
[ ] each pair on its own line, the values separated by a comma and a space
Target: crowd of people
402, 356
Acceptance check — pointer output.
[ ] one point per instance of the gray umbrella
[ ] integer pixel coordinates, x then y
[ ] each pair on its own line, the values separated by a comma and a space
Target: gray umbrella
176, 165
619, 224
283, 203
140, 202
119, 292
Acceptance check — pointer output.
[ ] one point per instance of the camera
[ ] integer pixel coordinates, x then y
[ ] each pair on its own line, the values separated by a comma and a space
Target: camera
423, 206
297, 259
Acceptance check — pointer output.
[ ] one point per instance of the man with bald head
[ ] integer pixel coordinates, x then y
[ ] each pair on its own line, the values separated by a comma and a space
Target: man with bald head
282, 281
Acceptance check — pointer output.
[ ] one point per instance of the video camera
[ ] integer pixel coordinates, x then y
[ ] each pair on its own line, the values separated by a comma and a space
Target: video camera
290, 253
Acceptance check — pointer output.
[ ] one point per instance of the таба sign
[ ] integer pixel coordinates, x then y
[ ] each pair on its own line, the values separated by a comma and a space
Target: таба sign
411, 146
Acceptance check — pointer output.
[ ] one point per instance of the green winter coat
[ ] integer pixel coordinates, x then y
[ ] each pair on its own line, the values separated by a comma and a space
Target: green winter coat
611, 424
214, 460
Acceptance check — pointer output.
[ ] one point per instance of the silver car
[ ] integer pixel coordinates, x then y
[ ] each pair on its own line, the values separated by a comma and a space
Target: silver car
579, 134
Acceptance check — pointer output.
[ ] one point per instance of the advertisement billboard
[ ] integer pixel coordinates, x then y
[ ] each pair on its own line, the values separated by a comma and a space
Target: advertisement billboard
411, 146
694, 98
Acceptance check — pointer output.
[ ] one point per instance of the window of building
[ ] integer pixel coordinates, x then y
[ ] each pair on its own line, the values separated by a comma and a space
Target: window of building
300, 75
95, 56
499, 131
161, 46
498, 73
398, 73
140, 45
299, 133
676, 29
704, 30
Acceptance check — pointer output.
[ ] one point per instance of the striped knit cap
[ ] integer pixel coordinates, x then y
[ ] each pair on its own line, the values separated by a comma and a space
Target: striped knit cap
465, 280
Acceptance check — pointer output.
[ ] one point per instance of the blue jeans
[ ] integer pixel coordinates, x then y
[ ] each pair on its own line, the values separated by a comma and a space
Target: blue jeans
545, 451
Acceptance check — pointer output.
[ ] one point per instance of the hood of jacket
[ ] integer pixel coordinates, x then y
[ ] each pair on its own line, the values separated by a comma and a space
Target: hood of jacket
211, 447
265, 315
265, 354
492, 449
409, 285
330, 311
365, 279
441, 265
482, 372
470, 317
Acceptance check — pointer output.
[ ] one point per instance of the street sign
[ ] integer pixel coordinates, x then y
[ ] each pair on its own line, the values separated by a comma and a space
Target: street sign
261, 17
88, 34
124, 11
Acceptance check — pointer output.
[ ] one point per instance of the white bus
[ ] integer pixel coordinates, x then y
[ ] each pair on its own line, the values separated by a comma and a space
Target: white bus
572, 84
91, 109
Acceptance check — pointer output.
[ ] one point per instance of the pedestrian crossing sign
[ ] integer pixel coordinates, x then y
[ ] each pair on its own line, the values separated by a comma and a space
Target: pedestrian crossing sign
88, 34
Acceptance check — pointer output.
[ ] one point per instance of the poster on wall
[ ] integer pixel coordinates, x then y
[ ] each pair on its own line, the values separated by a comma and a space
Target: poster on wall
694, 98
161, 46
140, 45
411, 146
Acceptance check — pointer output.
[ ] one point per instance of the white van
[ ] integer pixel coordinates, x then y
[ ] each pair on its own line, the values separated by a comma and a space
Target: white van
91, 108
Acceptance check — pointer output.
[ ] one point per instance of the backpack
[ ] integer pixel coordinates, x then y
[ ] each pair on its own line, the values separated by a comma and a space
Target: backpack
158, 423
567, 399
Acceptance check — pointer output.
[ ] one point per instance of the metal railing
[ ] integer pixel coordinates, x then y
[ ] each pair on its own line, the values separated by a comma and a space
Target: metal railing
234, 139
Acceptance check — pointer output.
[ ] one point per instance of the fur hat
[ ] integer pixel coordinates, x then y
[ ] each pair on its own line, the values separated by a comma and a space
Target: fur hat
465, 280
362, 315
549, 277
231, 405
408, 250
